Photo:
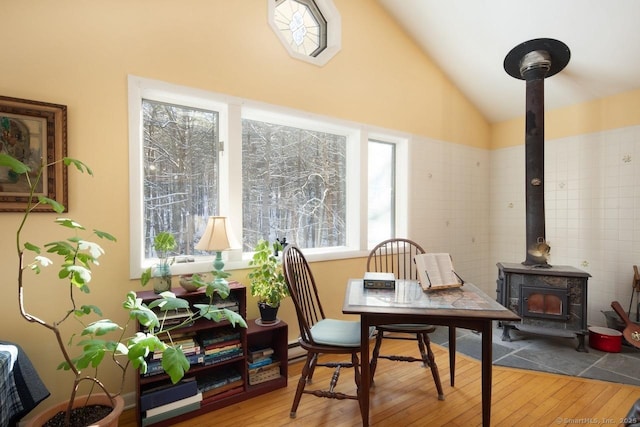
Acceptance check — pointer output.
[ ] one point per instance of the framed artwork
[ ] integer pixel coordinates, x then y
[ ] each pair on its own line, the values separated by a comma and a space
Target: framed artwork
36, 134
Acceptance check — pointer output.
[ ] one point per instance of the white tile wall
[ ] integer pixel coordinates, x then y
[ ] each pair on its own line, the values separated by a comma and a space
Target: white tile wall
449, 205
592, 204
471, 203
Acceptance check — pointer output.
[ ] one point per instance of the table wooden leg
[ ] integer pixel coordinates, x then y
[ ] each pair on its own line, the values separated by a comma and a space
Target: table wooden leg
452, 354
365, 383
487, 343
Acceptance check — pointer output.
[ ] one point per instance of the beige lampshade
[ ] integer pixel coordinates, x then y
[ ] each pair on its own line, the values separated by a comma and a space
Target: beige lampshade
216, 236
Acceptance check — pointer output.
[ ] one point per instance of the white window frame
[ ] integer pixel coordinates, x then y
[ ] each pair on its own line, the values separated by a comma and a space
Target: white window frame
231, 111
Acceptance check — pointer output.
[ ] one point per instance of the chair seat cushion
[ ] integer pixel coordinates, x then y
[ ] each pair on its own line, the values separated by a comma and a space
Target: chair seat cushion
341, 333
407, 327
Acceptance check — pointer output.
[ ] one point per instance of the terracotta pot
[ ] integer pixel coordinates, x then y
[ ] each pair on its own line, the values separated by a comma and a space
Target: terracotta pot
605, 339
110, 420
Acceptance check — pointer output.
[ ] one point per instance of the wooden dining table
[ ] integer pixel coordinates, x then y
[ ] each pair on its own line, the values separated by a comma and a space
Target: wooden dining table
464, 307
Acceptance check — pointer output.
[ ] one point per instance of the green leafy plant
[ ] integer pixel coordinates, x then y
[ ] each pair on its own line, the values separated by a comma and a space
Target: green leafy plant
100, 338
266, 279
164, 243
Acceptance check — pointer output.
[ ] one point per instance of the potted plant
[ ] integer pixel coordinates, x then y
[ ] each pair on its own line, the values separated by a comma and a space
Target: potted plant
267, 280
164, 243
99, 339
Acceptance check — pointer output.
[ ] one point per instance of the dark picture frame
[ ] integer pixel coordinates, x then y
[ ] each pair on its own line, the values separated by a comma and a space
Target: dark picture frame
36, 134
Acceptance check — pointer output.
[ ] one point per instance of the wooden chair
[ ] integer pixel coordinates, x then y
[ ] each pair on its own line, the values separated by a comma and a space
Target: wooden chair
319, 334
396, 256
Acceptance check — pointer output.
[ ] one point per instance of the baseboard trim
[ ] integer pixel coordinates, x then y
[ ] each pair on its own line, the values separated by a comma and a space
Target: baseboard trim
295, 352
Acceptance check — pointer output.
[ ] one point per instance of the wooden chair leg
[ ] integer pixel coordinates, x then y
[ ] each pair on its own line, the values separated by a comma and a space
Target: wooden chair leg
358, 378
312, 368
302, 383
434, 367
374, 357
421, 338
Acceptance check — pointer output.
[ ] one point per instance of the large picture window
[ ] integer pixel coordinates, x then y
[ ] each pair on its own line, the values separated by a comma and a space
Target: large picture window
274, 173
181, 171
293, 185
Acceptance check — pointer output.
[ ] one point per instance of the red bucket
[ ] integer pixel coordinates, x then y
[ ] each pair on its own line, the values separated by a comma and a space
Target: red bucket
605, 339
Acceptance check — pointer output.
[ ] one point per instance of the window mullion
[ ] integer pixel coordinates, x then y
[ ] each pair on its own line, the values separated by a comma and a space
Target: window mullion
231, 176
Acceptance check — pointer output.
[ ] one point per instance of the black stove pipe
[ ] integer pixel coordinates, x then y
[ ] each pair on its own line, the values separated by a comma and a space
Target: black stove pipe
534, 61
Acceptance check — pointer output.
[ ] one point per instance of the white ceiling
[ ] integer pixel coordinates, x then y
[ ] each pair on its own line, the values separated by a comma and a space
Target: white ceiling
469, 40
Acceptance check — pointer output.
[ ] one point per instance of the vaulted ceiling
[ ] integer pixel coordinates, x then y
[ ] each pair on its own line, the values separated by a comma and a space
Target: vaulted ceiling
469, 40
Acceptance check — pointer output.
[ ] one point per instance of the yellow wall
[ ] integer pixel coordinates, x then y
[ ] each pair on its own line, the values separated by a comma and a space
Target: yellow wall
78, 53
612, 112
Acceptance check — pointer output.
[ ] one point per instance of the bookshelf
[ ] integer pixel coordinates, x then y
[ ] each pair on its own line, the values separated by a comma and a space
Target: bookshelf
221, 368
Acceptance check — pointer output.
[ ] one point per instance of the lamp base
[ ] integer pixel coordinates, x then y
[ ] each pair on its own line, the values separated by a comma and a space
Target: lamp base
219, 273
220, 282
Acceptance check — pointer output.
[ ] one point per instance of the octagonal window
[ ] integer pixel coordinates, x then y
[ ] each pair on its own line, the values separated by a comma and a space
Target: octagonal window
309, 29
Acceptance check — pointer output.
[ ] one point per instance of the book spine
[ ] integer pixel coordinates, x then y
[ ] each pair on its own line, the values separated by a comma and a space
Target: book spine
222, 350
215, 381
188, 351
154, 367
170, 414
261, 362
210, 360
174, 405
167, 395
260, 354
207, 341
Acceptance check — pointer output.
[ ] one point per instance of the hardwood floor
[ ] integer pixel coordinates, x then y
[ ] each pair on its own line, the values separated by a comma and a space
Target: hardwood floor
406, 396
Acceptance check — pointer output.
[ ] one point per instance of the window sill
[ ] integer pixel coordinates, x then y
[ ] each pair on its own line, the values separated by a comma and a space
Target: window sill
205, 264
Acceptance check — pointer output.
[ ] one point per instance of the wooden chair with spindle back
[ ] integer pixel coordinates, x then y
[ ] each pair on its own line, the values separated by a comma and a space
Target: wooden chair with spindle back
396, 256
319, 334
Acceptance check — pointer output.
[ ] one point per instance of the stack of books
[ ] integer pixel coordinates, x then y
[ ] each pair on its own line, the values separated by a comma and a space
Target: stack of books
190, 347
230, 303
221, 383
187, 341
220, 345
169, 400
173, 317
261, 366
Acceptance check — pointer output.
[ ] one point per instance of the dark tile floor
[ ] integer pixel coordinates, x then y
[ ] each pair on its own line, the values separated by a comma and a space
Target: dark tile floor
550, 354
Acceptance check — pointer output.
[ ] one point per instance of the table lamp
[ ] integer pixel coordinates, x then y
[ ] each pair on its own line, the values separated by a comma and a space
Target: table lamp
216, 238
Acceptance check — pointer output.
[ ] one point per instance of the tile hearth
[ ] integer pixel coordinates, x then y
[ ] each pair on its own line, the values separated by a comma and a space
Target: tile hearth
549, 354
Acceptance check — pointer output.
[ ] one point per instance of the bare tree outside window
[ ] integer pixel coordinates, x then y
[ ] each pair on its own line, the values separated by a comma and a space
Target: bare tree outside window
294, 185
180, 173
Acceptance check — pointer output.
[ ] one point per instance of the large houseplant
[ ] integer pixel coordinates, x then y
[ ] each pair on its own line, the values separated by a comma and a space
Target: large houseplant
99, 339
267, 280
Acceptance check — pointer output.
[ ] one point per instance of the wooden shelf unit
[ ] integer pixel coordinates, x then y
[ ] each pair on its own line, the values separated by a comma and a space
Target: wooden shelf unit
254, 336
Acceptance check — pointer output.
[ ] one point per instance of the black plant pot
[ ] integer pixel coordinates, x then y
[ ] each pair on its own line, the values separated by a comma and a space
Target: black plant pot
268, 314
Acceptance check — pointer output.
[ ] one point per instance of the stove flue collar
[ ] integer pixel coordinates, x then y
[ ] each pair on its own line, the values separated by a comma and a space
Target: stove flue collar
548, 55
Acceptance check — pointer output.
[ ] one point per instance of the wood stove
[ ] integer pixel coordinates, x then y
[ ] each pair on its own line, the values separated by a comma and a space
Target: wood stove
549, 301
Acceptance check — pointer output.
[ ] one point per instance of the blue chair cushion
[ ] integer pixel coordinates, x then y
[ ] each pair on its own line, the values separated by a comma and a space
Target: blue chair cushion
341, 333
